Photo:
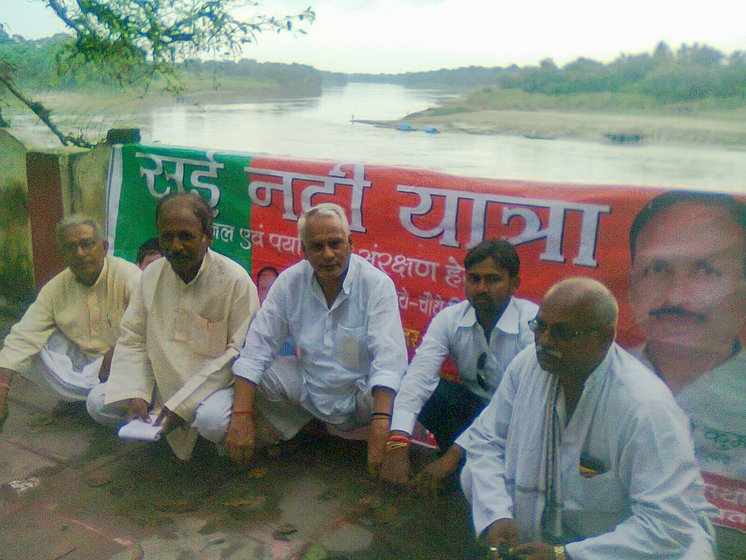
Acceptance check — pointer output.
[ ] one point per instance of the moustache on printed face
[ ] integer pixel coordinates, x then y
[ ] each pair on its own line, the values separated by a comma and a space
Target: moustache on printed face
676, 311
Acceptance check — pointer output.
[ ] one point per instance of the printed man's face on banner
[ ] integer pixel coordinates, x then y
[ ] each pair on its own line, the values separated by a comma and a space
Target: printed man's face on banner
687, 285
264, 282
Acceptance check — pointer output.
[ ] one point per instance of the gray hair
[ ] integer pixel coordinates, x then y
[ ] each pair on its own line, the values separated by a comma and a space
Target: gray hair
75, 220
323, 210
592, 296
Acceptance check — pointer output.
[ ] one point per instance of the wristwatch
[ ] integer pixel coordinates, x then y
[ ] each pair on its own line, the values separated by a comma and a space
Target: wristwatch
560, 553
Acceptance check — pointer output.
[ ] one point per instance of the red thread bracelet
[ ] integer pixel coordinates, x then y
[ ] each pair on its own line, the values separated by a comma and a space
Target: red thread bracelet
243, 412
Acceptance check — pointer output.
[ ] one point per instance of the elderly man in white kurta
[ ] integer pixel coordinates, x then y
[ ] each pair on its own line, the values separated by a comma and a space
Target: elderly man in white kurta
182, 330
343, 314
582, 452
65, 335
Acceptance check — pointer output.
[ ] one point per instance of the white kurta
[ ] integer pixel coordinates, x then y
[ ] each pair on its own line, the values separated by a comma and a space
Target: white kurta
716, 405
88, 316
345, 349
455, 332
181, 338
646, 501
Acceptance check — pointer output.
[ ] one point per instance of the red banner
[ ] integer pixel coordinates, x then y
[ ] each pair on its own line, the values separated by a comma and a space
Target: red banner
729, 496
417, 226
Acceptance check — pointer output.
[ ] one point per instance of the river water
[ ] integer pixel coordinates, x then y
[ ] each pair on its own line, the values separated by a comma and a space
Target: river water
321, 128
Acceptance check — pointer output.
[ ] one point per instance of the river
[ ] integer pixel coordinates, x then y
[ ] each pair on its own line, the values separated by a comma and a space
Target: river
321, 128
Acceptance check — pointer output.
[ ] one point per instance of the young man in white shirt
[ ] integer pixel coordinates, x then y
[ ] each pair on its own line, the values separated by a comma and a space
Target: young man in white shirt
482, 335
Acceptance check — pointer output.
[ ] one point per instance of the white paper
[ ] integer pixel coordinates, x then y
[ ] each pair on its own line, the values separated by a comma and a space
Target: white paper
137, 429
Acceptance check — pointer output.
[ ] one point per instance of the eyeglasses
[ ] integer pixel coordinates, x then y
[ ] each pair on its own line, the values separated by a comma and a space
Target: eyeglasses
84, 244
557, 331
482, 374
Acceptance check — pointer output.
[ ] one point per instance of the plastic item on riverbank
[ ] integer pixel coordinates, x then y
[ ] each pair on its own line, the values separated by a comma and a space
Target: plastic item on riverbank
23, 485
432, 130
404, 127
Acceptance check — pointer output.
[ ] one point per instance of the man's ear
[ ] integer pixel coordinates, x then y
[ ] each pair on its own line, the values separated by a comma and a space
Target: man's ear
349, 240
303, 250
515, 283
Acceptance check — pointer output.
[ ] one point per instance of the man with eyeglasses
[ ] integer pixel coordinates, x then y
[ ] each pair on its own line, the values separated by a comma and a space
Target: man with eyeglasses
481, 335
66, 337
181, 333
582, 452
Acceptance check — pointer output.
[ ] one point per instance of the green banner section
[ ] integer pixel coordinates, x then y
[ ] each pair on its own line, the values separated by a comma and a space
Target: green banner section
148, 173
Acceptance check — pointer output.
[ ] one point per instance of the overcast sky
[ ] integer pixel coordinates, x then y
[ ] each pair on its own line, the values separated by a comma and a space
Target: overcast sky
410, 35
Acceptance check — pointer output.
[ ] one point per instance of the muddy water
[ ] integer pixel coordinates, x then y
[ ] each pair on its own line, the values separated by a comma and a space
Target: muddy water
321, 127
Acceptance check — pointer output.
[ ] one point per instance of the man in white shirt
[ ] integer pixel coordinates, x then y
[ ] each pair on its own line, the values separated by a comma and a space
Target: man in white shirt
688, 292
343, 314
582, 452
482, 335
66, 337
182, 331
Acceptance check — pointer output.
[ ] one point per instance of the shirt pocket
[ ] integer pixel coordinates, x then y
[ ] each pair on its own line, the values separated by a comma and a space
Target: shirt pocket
208, 338
600, 493
593, 506
352, 348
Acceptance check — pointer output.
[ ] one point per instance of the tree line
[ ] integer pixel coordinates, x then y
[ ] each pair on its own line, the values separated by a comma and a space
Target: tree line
692, 72
35, 65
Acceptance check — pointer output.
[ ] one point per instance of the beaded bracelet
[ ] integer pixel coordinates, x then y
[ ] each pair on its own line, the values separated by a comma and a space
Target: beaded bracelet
380, 415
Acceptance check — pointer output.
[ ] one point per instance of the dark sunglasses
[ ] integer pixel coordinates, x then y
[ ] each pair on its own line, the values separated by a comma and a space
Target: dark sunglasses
557, 331
482, 374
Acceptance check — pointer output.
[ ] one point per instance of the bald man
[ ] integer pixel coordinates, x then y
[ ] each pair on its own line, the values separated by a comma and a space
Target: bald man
599, 462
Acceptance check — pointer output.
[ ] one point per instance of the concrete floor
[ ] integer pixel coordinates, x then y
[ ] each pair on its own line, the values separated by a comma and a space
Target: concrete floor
71, 490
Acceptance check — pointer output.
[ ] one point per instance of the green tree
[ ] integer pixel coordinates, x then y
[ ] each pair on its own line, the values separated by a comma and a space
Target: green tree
137, 41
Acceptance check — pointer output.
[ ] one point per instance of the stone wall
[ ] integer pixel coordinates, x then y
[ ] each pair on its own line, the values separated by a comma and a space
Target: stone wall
39, 187
16, 273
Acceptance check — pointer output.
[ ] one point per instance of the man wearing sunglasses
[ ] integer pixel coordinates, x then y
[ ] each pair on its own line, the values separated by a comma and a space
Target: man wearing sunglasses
582, 452
66, 337
482, 335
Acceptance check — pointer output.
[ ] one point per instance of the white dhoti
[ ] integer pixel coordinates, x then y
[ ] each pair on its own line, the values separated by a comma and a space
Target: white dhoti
211, 421
65, 368
281, 398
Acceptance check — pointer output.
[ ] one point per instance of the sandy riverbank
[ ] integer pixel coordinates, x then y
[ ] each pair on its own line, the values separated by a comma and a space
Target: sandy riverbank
724, 129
